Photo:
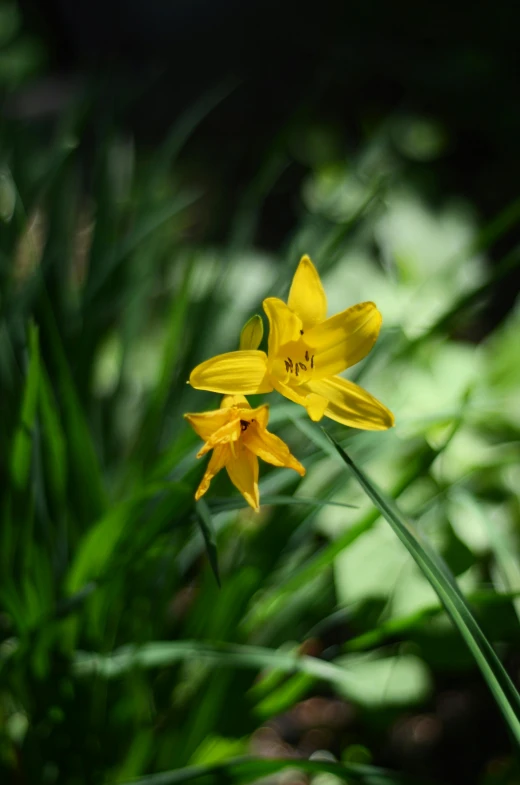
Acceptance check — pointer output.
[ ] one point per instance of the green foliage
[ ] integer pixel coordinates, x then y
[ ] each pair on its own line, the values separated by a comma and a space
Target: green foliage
443, 582
121, 656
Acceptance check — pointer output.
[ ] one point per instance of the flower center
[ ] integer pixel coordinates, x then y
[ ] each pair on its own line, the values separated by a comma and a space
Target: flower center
297, 358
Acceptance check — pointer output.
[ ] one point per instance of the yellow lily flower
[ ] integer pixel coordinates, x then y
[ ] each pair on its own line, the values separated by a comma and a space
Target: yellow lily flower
238, 436
305, 352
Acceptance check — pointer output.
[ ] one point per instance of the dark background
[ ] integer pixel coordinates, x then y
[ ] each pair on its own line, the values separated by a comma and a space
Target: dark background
349, 65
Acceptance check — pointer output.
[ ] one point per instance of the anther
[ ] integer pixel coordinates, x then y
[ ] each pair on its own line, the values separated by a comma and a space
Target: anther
312, 361
297, 369
307, 355
301, 332
302, 366
244, 425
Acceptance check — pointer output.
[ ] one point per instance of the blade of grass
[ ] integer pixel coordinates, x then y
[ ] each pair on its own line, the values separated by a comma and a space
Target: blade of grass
403, 624
274, 600
108, 542
445, 585
23, 440
151, 423
328, 252
203, 516
85, 469
160, 654
54, 440
141, 232
227, 505
242, 770
185, 127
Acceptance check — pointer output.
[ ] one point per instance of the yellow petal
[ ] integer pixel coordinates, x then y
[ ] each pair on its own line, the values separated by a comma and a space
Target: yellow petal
307, 297
243, 473
353, 406
230, 432
234, 400
270, 448
344, 339
260, 415
313, 403
293, 394
252, 333
219, 458
235, 372
206, 423
316, 406
284, 325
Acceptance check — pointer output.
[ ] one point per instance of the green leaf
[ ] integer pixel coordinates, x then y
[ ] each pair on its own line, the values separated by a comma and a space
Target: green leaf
153, 417
242, 770
83, 463
97, 546
388, 681
163, 653
23, 440
7, 192
445, 585
53, 439
273, 600
185, 126
144, 230
101, 541
403, 625
226, 505
205, 522
285, 696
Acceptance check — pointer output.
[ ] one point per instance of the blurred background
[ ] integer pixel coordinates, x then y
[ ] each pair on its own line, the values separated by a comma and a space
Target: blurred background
163, 166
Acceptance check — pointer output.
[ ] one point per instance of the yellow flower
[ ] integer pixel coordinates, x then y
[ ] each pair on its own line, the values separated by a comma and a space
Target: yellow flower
238, 436
305, 352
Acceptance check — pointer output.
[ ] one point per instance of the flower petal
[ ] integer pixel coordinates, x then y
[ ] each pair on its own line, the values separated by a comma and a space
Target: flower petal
353, 406
206, 423
219, 457
289, 392
230, 432
260, 415
270, 448
234, 400
242, 372
243, 473
307, 297
284, 325
314, 404
344, 339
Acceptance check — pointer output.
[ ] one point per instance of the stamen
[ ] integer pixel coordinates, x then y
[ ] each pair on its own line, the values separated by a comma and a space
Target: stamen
312, 361
287, 366
307, 355
302, 366
297, 369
